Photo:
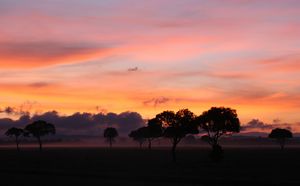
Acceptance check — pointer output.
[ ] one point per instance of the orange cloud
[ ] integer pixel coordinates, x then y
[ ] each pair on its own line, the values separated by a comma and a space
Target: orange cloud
147, 58
37, 54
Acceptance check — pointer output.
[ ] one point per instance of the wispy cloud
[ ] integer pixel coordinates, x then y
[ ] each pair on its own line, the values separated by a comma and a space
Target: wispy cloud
72, 56
39, 84
41, 53
156, 101
133, 69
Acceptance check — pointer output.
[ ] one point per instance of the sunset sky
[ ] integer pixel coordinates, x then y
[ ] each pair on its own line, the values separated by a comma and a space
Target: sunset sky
149, 56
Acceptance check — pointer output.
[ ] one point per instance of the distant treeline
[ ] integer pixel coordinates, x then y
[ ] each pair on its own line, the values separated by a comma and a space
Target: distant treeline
175, 126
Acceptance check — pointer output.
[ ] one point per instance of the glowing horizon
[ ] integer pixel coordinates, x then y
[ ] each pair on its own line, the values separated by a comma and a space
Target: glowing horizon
116, 56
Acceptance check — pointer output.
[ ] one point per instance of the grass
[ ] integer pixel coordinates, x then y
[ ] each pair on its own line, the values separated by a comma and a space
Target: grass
133, 166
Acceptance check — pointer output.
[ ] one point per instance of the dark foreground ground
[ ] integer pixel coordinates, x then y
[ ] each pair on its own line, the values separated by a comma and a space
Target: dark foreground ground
130, 166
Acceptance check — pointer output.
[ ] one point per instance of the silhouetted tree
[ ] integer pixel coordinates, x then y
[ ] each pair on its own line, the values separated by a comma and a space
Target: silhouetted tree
152, 131
110, 134
40, 128
216, 122
177, 125
16, 132
137, 135
281, 135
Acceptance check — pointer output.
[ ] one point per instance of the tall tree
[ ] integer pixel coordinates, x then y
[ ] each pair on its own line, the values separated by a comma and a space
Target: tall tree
16, 132
177, 125
280, 135
110, 134
218, 121
152, 131
40, 128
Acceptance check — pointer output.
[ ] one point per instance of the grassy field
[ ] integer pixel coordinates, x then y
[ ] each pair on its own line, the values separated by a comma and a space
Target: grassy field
132, 166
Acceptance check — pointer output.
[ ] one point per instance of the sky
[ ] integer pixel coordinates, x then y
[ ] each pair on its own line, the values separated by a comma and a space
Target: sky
149, 56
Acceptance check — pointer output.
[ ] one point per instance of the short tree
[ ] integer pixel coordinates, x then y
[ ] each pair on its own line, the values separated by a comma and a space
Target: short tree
177, 125
16, 132
137, 136
152, 131
110, 134
216, 122
280, 135
38, 129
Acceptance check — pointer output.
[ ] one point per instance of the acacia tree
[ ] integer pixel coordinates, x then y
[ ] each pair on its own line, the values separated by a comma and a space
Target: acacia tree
137, 135
177, 125
216, 122
280, 135
16, 132
152, 131
110, 134
38, 129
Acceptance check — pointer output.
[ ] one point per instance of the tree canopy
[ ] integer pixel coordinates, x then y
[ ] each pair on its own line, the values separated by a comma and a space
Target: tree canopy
110, 133
138, 136
40, 128
177, 126
219, 121
281, 135
16, 132
150, 132
216, 122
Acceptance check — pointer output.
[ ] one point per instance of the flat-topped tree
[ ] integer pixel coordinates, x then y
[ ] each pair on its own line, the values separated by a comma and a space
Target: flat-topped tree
216, 122
177, 126
281, 135
16, 132
110, 134
40, 128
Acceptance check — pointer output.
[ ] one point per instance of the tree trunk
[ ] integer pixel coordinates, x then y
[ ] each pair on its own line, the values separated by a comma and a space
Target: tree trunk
17, 143
40, 143
149, 144
110, 142
217, 153
175, 142
282, 143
